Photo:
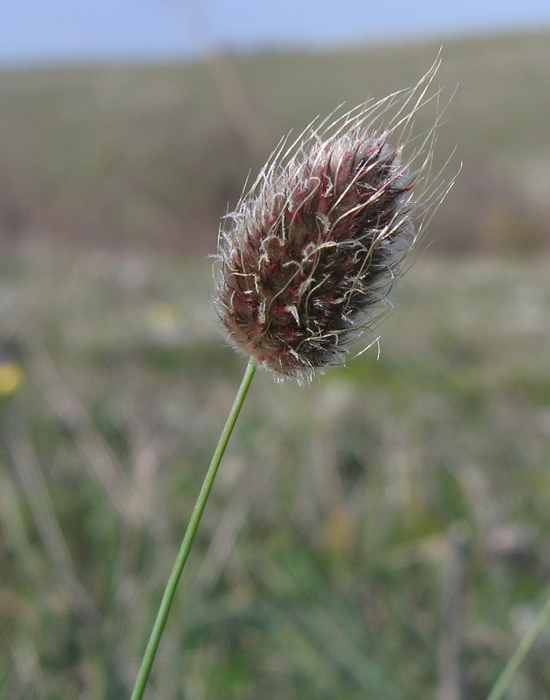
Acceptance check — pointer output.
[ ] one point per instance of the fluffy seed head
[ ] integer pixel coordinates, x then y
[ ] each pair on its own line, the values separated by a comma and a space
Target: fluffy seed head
306, 262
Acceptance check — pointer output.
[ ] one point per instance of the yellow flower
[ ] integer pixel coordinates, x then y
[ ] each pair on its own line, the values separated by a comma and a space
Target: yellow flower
12, 377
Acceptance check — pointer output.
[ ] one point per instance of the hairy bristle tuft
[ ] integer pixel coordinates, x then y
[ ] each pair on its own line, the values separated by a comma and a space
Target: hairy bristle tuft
306, 263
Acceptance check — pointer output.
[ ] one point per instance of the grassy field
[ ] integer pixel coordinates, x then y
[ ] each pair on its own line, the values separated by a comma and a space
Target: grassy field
148, 156
381, 534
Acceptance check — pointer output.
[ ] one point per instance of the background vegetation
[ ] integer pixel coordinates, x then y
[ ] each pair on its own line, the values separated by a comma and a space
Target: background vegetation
150, 156
382, 534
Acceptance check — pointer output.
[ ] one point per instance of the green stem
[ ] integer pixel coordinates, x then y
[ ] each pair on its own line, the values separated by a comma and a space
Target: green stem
170, 589
520, 653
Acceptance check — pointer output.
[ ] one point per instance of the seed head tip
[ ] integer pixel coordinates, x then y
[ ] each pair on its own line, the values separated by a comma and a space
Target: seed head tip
307, 261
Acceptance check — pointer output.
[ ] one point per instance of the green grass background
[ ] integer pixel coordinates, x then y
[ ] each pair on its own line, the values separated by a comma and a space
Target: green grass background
341, 510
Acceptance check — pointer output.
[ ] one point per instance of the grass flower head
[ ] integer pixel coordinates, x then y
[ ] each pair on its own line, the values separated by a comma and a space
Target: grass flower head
307, 261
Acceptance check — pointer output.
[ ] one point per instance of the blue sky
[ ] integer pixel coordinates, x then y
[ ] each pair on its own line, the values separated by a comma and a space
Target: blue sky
83, 30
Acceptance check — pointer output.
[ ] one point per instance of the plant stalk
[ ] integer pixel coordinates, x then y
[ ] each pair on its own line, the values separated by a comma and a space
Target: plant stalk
518, 657
169, 591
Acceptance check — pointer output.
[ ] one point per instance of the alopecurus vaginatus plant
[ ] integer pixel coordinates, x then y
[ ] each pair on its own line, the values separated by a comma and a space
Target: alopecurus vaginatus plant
306, 264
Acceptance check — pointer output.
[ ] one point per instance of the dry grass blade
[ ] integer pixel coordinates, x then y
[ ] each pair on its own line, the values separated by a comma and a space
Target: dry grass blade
100, 459
36, 489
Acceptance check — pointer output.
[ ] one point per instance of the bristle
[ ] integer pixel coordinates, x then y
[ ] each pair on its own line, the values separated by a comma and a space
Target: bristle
306, 262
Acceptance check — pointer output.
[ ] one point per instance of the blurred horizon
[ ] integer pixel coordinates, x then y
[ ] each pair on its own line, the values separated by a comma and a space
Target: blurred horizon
151, 156
121, 30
